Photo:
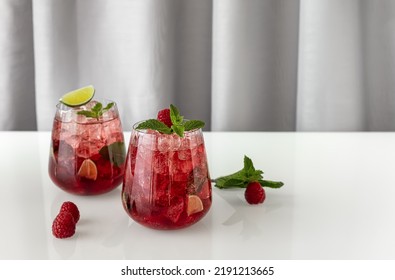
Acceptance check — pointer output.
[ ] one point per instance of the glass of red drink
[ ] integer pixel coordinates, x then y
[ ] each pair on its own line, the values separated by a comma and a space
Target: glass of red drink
87, 153
166, 183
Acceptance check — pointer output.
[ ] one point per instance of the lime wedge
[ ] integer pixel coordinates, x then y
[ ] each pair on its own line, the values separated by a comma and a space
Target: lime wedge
78, 97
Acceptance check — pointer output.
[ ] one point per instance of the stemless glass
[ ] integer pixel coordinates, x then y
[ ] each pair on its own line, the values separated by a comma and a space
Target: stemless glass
87, 154
166, 183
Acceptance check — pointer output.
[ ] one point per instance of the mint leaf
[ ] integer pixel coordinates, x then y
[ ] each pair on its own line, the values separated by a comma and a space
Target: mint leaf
225, 181
109, 106
254, 176
97, 108
271, 184
193, 124
234, 182
96, 111
243, 177
175, 116
248, 166
102, 110
87, 114
178, 129
154, 125
115, 153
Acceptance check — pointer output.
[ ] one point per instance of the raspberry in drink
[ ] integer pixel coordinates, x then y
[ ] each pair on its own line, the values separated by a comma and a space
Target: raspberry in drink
166, 183
87, 153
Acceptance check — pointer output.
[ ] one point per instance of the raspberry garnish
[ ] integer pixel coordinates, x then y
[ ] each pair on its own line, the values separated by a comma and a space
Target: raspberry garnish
70, 207
254, 193
164, 116
63, 226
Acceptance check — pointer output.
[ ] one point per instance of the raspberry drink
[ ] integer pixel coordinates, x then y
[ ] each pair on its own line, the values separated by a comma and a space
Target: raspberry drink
166, 183
87, 153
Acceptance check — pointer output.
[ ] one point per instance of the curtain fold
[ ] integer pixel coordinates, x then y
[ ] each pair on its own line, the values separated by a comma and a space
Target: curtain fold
333, 93
17, 90
255, 54
248, 65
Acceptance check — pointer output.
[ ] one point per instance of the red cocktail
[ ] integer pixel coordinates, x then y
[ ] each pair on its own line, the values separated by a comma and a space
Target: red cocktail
166, 183
87, 153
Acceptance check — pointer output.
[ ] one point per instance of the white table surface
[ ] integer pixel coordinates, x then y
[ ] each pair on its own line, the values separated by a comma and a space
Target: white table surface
338, 202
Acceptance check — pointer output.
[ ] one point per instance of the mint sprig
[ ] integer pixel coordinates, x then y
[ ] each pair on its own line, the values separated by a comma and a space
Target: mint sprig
179, 125
243, 177
97, 111
154, 124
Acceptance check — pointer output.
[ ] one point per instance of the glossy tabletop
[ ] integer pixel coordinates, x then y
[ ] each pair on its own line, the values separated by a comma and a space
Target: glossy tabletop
338, 202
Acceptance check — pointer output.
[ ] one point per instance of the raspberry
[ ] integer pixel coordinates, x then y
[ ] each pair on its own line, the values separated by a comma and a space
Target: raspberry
63, 226
70, 207
254, 194
164, 116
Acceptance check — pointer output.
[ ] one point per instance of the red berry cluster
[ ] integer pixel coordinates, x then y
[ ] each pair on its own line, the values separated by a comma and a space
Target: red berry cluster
164, 116
65, 222
254, 193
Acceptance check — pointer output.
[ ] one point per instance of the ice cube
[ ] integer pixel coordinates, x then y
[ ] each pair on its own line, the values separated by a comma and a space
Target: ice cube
161, 163
73, 140
184, 154
147, 141
65, 151
112, 130
80, 119
89, 105
164, 143
175, 209
88, 148
175, 142
168, 142
179, 169
83, 150
185, 143
195, 139
161, 190
197, 177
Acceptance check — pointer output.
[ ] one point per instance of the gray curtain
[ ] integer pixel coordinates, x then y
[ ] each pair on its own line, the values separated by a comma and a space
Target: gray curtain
248, 65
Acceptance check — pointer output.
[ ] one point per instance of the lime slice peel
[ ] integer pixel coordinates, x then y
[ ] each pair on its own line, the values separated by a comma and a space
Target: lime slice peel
78, 97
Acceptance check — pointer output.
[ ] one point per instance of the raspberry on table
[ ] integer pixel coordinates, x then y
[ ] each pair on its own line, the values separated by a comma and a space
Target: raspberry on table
254, 193
164, 116
63, 226
70, 207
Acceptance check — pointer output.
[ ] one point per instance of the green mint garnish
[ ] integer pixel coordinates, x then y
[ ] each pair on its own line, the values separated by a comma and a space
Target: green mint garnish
114, 152
155, 125
179, 125
193, 124
241, 178
175, 116
96, 111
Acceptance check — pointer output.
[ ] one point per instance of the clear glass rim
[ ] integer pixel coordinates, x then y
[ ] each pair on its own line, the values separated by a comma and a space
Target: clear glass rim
63, 110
